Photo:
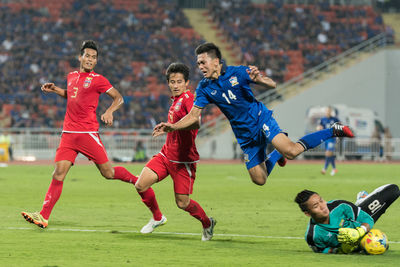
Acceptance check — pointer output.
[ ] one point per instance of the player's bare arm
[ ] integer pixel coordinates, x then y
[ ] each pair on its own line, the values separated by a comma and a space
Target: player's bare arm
107, 117
51, 88
258, 78
189, 122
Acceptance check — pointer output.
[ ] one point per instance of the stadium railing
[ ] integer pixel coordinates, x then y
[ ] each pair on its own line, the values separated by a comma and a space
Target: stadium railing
40, 144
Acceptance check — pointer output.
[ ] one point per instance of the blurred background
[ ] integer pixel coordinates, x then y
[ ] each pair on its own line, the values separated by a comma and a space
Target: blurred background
339, 53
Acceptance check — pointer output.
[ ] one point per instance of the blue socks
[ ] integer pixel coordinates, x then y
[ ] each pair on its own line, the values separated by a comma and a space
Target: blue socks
315, 139
330, 160
272, 158
327, 161
333, 162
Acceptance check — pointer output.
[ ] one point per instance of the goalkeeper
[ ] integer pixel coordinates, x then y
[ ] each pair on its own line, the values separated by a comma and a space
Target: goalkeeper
337, 226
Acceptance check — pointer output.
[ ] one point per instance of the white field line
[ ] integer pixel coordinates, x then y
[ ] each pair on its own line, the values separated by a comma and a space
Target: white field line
159, 233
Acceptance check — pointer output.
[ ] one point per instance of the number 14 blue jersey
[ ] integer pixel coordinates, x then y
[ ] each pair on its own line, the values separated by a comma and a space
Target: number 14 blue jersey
233, 96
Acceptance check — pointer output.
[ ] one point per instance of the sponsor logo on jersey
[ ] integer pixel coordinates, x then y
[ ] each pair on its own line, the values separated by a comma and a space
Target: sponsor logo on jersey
87, 82
214, 92
233, 80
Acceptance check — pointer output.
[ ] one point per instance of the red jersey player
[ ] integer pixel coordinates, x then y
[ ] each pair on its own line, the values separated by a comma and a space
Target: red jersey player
80, 130
178, 158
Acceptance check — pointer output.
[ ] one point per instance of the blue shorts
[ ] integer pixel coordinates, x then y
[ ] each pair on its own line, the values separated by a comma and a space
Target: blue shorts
330, 145
255, 152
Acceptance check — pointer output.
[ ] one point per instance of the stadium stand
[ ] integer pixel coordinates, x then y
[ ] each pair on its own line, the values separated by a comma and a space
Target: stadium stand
287, 39
139, 38
39, 41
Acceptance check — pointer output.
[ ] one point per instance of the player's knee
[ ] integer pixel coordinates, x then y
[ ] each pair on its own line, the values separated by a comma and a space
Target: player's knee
260, 182
108, 174
291, 153
59, 175
182, 203
259, 179
140, 187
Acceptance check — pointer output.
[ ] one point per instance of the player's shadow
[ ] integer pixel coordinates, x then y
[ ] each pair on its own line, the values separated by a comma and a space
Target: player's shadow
183, 237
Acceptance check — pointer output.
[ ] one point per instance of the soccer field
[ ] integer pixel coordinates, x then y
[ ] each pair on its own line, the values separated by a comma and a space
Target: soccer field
96, 221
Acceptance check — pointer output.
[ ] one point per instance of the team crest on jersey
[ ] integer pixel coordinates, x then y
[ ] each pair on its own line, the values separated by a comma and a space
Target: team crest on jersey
178, 105
233, 80
87, 82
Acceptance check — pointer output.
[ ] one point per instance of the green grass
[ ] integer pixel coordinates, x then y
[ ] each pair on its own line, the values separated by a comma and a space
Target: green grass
114, 210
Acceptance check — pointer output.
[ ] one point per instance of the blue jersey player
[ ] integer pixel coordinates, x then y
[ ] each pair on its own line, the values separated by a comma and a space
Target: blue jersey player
228, 87
325, 123
337, 226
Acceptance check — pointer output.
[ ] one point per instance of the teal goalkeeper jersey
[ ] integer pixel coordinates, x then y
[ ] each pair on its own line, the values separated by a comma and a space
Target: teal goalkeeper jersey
323, 237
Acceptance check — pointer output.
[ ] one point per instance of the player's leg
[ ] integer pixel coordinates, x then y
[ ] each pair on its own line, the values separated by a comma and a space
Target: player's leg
92, 147
376, 203
258, 163
314, 139
291, 150
184, 175
328, 157
65, 156
327, 161
153, 172
330, 154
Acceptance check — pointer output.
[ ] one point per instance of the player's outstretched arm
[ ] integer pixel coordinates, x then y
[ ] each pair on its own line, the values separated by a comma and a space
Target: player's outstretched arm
107, 117
51, 88
352, 236
258, 78
189, 122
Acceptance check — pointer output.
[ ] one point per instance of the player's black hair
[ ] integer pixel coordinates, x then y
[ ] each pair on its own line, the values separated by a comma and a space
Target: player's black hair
89, 44
303, 197
177, 67
211, 49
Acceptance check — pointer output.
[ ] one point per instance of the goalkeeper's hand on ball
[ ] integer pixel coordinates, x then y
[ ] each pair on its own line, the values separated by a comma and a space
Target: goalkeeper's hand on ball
350, 236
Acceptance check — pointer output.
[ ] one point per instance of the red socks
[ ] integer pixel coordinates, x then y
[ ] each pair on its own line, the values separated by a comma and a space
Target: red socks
197, 211
149, 199
52, 195
148, 196
120, 173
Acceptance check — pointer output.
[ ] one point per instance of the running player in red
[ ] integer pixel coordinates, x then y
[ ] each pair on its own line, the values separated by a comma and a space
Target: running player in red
80, 130
178, 157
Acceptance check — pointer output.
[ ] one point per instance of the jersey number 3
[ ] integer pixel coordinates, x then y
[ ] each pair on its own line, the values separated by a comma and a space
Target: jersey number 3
75, 92
231, 96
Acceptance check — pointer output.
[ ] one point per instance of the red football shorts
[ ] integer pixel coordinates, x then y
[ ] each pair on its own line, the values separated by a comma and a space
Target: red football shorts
89, 144
183, 174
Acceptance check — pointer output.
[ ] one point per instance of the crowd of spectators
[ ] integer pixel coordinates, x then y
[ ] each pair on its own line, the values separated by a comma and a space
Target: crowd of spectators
287, 39
40, 40
138, 39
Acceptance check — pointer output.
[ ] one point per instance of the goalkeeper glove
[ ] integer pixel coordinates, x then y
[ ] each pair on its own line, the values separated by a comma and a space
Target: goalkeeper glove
350, 235
346, 248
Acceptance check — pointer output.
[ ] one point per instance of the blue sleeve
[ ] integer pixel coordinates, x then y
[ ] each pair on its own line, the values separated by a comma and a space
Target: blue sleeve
244, 76
200, 100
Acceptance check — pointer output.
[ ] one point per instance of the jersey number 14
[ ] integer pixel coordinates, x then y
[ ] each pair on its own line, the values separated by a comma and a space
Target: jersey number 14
231, 96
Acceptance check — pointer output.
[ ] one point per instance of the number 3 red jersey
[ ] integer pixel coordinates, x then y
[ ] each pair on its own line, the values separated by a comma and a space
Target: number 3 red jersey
83, 92
180, 145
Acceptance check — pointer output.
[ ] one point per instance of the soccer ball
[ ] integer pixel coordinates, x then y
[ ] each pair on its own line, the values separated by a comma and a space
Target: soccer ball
375, 242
